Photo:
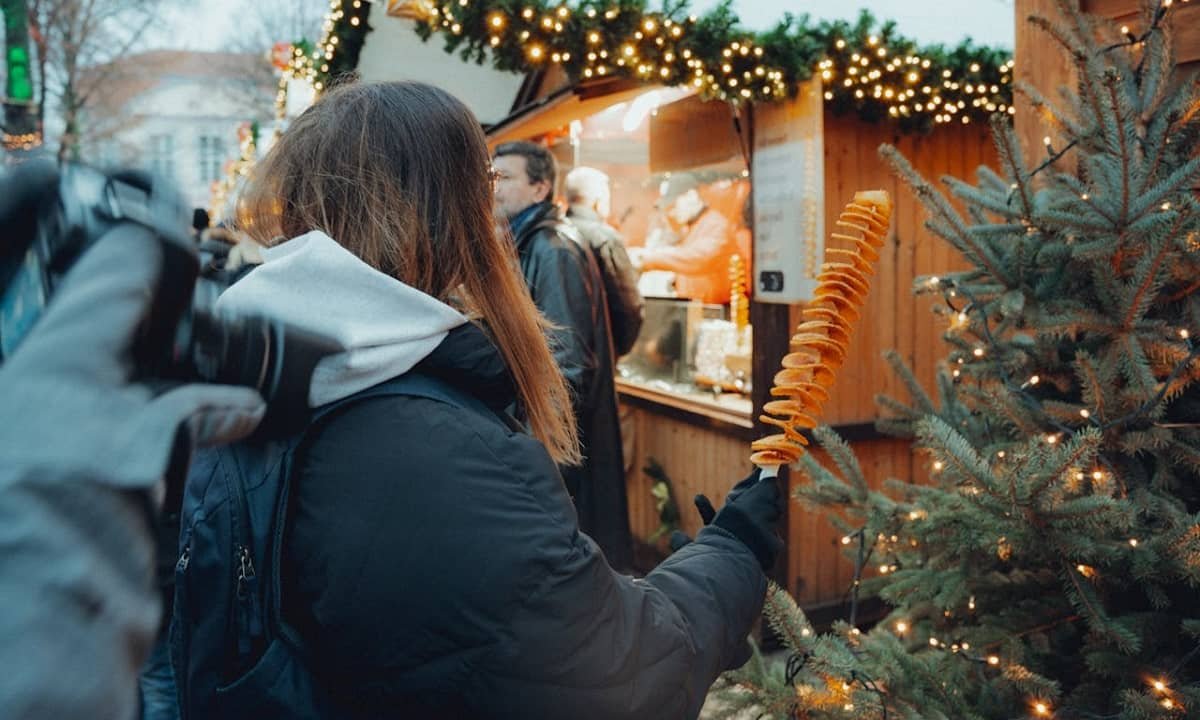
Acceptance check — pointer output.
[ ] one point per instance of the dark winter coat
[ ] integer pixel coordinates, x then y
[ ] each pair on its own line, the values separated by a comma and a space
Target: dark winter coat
565, 282
626, 307
435, 568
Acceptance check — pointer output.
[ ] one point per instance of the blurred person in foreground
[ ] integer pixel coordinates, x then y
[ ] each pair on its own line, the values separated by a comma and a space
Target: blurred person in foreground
433, 564
84, 450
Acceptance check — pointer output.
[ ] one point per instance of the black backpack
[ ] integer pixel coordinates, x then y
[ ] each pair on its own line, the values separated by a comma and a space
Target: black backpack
233, 655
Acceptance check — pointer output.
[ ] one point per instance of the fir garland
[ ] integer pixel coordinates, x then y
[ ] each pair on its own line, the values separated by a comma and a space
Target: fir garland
867, 68
344, 32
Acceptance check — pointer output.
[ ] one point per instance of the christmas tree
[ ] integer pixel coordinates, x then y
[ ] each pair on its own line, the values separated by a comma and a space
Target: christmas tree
1050, 564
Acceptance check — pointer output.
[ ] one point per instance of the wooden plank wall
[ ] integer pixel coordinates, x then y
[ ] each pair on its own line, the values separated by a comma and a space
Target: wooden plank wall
706, 460
893, 317
1183, 21
1044, 65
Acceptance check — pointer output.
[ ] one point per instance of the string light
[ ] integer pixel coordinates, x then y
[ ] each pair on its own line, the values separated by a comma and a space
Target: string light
1041, 708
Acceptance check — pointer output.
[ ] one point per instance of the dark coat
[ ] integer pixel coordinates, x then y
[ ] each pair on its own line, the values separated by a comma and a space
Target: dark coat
565, 283
434, 566
626, 307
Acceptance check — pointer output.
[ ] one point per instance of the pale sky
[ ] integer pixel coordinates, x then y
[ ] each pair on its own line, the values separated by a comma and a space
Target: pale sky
206, 25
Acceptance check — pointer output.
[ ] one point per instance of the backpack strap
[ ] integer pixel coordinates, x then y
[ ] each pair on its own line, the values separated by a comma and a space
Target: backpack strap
412, 383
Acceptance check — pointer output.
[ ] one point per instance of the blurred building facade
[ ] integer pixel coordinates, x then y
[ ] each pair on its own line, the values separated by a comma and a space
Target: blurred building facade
176, 114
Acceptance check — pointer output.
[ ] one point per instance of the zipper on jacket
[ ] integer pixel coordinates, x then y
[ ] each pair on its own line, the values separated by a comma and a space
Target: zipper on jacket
178, 636
249, 624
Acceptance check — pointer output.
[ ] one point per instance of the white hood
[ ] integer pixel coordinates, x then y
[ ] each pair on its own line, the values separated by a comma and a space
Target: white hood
385, 326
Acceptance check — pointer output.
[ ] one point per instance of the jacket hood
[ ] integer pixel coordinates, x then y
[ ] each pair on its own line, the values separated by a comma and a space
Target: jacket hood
384, 326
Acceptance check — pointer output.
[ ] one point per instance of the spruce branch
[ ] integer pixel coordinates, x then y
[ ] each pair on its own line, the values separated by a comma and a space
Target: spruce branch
1141, 297
951, 227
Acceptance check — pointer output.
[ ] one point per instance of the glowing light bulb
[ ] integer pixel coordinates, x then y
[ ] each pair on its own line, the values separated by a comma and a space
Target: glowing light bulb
901, 627
993, 660
846, 540
1184, 334
1084, 414
977, 352
1035, 380
1133, 542
1159, 685
938, 465
1041, 708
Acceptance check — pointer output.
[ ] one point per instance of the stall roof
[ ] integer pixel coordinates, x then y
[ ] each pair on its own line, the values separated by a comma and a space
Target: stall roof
394, 51
559, 108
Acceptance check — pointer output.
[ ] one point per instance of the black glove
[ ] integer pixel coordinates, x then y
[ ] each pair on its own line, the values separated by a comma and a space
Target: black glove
752, 514
707, 512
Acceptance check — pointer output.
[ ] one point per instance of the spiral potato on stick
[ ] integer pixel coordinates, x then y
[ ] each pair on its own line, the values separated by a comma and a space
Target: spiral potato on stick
818, 347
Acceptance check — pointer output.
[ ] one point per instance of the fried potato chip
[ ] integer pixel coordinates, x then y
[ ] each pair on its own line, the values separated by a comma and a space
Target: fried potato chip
852, 257
859, 285
879, 199
810, 387
780, 443
852, 225
764, 458
838, 288
864, 215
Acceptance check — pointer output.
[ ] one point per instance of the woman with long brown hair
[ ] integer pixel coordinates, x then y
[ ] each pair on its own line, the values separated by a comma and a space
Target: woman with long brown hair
432, 564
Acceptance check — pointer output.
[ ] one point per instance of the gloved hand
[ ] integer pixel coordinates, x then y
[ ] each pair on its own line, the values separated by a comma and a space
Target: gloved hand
751, 514
707, 512
69, 401
80, 446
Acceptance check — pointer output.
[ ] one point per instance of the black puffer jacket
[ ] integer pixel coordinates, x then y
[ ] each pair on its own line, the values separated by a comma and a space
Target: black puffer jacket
435, 567
565, 282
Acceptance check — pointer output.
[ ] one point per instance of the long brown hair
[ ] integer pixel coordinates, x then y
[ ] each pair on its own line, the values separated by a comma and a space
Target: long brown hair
398, 174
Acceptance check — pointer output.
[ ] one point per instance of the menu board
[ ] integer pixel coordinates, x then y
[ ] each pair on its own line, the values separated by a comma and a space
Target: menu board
789, 198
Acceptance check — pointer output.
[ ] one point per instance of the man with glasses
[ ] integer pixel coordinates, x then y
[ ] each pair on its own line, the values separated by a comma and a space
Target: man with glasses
566, 285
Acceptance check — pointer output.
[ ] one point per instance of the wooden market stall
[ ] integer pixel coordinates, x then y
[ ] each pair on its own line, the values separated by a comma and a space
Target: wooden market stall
701, 443
782, 165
